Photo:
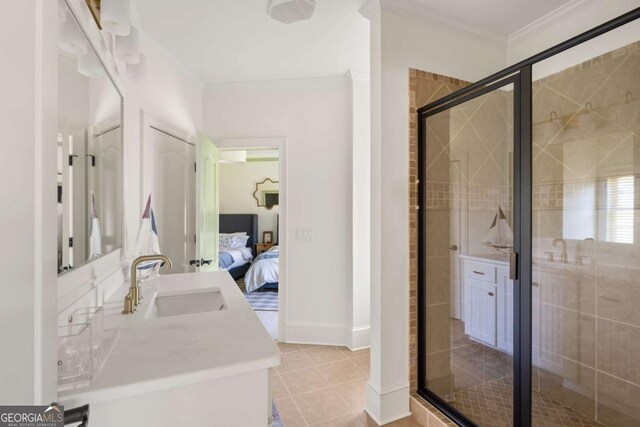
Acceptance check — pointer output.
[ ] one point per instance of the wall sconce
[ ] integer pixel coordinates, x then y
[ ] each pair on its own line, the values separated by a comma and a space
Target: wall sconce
128, 47
71, 37
115, 16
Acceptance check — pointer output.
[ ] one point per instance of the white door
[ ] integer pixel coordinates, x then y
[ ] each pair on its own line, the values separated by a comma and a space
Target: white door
457, 229
169, 176
481, 310
208, 210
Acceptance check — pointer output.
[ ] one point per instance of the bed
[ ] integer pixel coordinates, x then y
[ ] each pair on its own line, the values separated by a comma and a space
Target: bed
263, 275
237, 261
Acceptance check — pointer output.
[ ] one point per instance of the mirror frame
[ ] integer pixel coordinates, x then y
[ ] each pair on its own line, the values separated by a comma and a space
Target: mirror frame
258, 189
98, 42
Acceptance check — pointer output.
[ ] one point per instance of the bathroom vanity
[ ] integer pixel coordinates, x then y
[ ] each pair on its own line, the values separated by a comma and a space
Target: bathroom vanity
488, 300
193, 353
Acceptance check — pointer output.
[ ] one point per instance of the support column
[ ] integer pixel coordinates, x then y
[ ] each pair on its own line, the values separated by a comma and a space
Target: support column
388, 387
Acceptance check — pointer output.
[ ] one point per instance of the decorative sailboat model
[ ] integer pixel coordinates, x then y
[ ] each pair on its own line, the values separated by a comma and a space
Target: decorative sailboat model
500, 235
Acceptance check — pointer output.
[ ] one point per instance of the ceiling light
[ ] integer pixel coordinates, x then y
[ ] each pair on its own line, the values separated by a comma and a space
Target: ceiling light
115, 16
289, 11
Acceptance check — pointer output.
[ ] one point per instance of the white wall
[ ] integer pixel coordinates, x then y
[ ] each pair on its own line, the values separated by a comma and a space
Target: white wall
28, 81
361, 210
237, 184
397, 44
315, 116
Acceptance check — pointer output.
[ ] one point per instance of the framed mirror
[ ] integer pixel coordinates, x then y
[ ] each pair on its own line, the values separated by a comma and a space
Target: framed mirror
89, 151
267, 193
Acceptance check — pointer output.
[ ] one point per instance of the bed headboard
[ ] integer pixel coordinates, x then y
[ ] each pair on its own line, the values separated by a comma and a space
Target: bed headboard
248, 223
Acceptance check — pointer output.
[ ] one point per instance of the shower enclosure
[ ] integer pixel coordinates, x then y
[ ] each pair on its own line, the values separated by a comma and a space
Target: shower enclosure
529, 239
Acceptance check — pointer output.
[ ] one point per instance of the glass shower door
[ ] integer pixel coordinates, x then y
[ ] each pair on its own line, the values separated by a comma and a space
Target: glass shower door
467, 230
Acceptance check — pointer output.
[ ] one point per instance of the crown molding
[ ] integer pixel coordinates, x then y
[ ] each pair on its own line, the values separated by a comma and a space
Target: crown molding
557, 15
370, 9
417, 11
356, 76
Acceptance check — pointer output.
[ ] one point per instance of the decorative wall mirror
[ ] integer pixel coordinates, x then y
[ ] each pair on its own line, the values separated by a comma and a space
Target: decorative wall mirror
89, 146
267, 193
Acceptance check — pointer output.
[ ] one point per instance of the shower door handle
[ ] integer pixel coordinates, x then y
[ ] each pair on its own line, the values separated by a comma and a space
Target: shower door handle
513, 266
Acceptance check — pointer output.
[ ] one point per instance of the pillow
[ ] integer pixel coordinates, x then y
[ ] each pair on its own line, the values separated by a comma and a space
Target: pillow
232, 241
227, 241
242, 241
240, 233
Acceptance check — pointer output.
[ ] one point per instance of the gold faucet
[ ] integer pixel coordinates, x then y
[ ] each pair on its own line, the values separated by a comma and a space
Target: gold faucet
132, 300
564, 249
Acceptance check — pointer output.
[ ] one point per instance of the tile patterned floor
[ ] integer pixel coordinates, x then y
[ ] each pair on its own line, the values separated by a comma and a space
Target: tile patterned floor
483, 388
490, 404
323, 386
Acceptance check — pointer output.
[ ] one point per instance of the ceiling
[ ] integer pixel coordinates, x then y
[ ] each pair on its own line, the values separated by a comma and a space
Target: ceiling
235, 40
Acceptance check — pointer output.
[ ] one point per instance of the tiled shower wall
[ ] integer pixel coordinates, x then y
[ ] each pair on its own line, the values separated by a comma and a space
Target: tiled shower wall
424, 87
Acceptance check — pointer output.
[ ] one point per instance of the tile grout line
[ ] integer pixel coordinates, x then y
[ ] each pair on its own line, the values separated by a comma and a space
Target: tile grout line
321, 364
331, 386
293, 400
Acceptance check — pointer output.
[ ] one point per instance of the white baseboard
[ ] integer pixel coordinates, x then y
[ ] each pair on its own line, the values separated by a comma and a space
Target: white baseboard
388, 405
360, 338
316, 333
328, 334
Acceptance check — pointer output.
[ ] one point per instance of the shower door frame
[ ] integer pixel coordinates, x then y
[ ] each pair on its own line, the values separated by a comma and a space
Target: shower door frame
520, 75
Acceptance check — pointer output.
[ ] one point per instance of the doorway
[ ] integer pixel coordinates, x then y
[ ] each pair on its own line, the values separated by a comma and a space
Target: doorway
253, 183
545, 280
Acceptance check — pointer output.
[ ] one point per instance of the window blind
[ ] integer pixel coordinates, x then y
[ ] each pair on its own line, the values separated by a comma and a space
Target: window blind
620, 194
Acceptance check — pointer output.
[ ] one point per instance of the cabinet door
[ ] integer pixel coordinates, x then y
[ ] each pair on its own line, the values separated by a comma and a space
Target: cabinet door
505, 311
480, 319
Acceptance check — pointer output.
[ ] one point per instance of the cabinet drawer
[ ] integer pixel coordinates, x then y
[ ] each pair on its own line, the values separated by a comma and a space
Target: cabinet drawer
480, 271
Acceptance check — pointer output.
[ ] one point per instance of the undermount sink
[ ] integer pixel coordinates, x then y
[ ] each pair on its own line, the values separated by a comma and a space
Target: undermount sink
179, 303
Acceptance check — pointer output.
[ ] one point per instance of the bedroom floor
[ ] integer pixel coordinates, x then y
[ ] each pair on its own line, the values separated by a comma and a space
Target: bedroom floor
269, 318
270, 321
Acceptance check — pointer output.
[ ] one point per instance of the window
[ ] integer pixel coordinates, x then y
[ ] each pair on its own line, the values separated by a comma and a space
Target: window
620, 192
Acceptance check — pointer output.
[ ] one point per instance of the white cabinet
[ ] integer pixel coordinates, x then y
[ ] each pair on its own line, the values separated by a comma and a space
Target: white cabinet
480, 319
488, 302
505, 310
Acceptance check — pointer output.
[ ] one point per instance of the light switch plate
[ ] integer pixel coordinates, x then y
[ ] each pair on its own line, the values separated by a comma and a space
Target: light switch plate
304, 234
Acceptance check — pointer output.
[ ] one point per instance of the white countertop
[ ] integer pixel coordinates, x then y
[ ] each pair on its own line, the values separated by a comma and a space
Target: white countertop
539, 264
163, 353
493, 258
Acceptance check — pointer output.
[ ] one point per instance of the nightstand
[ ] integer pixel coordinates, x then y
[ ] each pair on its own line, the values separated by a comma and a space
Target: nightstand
263, 247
